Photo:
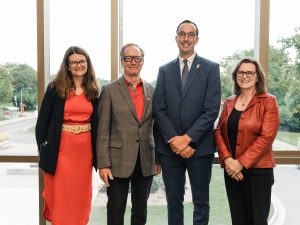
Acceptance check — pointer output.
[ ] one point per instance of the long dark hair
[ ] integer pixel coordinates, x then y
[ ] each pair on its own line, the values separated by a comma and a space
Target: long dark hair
63, 82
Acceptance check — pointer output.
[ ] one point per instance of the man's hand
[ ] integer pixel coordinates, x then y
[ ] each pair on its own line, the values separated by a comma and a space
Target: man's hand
179, 143
105, 174
188, 152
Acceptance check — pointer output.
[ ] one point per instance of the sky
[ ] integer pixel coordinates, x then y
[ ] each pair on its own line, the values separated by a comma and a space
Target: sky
224, 27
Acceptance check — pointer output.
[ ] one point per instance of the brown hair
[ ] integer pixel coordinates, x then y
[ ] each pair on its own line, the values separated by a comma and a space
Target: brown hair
261, 78
63, 82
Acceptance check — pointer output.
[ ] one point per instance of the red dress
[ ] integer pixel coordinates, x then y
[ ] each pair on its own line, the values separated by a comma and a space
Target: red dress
68, 193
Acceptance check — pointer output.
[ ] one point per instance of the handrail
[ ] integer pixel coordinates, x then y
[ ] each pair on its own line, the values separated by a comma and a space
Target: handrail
18, 159
281, 157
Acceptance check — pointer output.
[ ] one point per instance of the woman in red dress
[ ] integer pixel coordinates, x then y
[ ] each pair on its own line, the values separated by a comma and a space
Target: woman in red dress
66, 137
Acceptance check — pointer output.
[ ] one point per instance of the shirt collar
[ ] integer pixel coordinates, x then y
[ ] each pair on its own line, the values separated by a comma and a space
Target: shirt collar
190, 59
128, 83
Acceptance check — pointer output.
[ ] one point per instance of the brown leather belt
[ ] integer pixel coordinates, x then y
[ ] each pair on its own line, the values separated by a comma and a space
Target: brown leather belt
76, 128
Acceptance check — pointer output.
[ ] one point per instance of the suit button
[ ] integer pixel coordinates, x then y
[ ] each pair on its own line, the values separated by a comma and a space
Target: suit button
137, 141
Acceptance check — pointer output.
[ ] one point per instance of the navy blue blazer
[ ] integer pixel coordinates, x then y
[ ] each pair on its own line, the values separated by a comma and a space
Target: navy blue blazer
49, 127
192, 111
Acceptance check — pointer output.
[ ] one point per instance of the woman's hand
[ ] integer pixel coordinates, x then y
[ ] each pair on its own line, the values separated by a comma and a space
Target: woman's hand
233, 168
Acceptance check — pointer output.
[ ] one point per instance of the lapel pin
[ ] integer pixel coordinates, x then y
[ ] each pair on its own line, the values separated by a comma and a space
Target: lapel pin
198, 66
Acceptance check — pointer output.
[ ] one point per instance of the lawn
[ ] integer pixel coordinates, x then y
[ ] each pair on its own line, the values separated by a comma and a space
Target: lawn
157, 215
288, 137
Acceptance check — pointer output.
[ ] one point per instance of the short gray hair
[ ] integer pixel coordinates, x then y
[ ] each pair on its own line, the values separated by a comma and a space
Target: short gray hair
128, 45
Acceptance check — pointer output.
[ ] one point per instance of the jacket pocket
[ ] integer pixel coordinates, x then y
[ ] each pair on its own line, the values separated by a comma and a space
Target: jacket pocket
115, 144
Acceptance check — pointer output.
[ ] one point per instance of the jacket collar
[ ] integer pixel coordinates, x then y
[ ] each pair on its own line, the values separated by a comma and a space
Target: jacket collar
256, 98
196, 65
124, 90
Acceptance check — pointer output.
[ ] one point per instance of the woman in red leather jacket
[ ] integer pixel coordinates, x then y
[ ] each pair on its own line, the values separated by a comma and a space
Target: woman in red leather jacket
244, 136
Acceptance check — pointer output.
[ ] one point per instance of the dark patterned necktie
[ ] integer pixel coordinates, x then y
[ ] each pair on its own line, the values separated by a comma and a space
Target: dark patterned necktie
185, 73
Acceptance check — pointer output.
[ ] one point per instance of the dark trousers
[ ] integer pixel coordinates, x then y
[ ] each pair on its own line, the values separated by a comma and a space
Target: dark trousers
117, 197
250, 199
199, 171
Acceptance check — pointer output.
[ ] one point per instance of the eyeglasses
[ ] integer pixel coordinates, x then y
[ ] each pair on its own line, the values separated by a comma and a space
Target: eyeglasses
190, 35
75, 63
137, 59
249, 74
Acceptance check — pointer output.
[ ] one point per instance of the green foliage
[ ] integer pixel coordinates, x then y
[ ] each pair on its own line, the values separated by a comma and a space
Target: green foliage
293, 42
289, 84
102, 82
278, 74
6, 86
288, 137
21, 78
283, 78
228, 64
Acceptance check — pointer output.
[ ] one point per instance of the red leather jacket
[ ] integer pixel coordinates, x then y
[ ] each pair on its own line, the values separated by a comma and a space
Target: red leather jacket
257, 130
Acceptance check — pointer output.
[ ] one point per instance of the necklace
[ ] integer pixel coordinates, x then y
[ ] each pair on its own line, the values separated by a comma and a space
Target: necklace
244, 101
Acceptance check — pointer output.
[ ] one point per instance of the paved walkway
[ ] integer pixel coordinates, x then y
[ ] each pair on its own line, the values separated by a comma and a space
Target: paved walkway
280, 145
23, 116
287, 189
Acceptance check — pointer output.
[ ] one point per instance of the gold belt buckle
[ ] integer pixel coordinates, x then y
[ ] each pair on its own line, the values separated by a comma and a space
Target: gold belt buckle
75, 129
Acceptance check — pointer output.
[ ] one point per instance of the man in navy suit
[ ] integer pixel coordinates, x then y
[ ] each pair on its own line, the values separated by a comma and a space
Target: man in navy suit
186, 104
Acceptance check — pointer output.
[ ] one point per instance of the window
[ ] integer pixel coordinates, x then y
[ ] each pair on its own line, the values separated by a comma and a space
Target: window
284, 77
85, 24
18, 81
226, 34
221, 34
284, 83
223, 30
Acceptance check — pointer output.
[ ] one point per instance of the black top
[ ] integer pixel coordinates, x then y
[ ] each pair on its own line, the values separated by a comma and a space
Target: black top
232, 132
232, 128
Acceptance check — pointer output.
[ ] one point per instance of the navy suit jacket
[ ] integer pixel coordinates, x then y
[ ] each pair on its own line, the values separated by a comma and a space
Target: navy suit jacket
192, 111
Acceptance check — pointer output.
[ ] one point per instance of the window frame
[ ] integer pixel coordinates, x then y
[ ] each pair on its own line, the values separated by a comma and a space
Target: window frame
262, 12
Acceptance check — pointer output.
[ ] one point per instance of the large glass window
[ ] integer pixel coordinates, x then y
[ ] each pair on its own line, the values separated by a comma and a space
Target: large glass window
18, 100
85, 24
221, 34
19, 194
284, 83
18, 80
284, 77
224, 28
226, 32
